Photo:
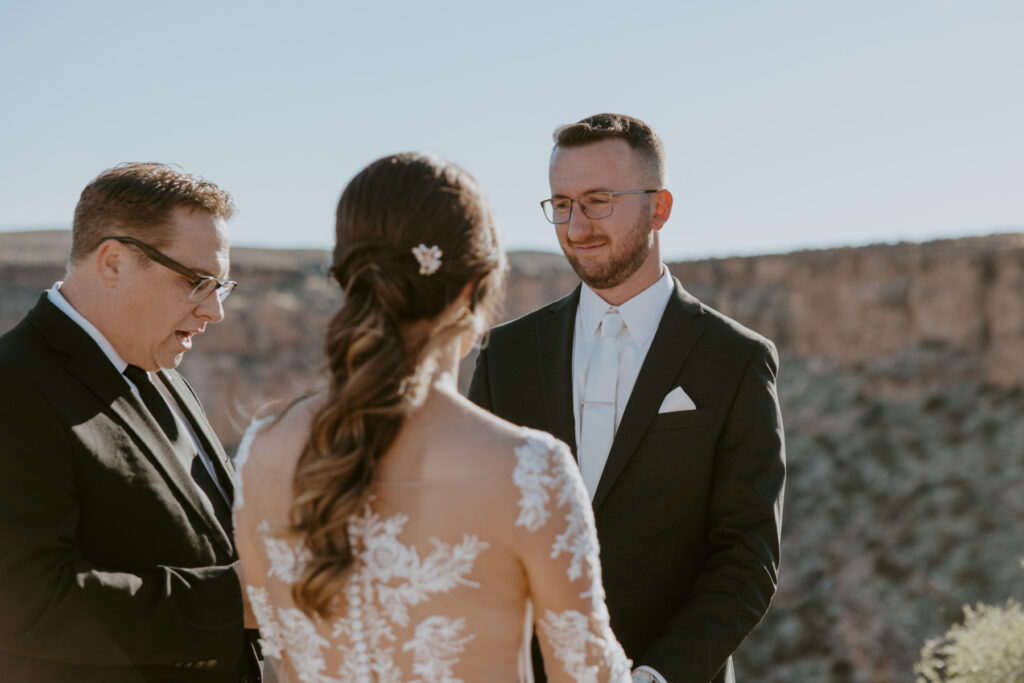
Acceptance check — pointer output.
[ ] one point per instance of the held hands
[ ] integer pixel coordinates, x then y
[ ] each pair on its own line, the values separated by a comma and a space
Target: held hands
248, 617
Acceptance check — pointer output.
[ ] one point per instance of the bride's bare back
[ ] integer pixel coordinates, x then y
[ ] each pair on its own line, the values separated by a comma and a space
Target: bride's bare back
475, 530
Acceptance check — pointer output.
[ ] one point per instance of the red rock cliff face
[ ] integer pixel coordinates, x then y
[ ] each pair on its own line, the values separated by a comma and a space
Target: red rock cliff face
942, 310
902, 390
855, 306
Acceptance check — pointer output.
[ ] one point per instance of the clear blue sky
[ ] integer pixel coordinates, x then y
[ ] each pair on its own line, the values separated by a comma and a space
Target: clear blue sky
788, 123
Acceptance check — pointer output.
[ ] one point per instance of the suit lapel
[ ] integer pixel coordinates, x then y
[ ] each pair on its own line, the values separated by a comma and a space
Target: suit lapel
196, 416
677, 332
88, 363
554, 351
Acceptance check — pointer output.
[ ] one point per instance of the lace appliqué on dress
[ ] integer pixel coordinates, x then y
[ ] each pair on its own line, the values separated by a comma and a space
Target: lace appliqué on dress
286, 559
571, 637
436, 647
387, 579
289, 630
542, 474
382, 558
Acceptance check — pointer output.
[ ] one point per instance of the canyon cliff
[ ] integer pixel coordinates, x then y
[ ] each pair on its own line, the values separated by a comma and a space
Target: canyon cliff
902, 389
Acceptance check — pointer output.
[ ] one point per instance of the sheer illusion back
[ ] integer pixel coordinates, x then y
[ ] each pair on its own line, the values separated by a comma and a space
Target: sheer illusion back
452, 571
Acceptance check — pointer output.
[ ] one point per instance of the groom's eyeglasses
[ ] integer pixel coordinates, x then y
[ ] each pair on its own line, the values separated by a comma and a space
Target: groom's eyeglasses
594, 205
202, 285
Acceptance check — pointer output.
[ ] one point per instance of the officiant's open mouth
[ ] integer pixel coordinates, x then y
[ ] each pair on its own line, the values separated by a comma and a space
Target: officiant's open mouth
184, 337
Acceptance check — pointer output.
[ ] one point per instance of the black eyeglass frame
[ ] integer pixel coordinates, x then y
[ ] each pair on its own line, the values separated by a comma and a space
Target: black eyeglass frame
199, 282
546, 205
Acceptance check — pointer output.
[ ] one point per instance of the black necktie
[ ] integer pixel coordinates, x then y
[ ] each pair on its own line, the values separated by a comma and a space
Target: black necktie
160, 411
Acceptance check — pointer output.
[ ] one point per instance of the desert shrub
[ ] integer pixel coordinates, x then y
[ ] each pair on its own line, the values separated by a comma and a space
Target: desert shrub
988, 647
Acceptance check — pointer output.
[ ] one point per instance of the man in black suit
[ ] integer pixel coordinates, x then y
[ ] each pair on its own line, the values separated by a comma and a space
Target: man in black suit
669, 406
116, 552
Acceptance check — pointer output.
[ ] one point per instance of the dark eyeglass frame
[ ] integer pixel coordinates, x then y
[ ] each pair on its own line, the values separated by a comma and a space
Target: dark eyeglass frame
548, 208
201, 287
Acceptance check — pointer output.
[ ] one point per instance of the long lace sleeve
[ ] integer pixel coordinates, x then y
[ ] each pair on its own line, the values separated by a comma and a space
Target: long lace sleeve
559, 550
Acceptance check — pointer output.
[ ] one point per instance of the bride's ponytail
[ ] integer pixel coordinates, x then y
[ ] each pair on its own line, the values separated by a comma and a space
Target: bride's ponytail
380, 341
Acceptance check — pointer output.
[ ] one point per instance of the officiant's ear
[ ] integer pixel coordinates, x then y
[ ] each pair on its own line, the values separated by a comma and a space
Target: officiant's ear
110, 258
662, 209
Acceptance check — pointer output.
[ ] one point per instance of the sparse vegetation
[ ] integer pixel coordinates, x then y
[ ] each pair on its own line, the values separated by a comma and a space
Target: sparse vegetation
988, 647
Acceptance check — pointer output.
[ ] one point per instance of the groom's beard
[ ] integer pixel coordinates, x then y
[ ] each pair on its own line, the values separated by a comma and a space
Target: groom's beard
625, 259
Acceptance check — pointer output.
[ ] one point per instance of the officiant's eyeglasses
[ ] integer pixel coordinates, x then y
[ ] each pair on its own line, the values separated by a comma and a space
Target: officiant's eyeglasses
594, 205
202, 285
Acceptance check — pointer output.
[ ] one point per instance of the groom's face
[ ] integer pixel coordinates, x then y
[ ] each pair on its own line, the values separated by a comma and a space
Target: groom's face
605, 252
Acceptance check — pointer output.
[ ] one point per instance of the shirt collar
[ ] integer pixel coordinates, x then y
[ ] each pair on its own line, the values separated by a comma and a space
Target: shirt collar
58, 300
641, 314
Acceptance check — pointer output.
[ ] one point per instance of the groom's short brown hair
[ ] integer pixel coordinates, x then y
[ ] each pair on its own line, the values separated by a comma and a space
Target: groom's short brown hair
640, 137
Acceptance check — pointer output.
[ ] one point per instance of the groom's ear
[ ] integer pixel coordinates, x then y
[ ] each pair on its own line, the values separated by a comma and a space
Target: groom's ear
662, 209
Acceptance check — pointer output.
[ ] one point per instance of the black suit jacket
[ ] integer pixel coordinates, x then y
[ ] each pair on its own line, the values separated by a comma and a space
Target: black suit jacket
112, 568
689, 505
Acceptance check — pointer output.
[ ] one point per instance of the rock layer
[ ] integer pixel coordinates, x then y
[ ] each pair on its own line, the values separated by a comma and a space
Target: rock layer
902, 386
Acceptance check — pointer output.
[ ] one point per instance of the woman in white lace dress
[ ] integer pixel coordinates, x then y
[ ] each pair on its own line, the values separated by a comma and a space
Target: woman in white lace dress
388, 529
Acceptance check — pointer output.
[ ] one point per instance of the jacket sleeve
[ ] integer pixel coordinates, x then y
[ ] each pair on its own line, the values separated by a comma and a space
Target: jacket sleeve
559, 551
732, 593
479, 386
57, 605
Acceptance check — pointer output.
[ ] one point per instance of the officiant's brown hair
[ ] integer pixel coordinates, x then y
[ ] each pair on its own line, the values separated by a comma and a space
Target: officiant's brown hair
412, 232
135, 200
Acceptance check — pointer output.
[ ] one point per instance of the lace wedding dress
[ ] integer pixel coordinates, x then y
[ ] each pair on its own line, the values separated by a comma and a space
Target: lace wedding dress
451, 575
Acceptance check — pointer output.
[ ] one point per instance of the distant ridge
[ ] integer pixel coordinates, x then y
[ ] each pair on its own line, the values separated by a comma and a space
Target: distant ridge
902, 391
47, 246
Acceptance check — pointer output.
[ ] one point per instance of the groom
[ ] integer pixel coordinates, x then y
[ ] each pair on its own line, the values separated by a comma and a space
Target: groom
669, 406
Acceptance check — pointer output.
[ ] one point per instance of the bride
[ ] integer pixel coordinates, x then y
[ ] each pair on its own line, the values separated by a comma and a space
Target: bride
388, 529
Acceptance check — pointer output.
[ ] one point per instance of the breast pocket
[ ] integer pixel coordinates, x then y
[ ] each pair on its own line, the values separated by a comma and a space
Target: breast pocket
682, 419
673, 464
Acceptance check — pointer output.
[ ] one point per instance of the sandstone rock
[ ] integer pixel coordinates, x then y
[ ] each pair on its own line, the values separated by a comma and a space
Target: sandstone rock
902, 387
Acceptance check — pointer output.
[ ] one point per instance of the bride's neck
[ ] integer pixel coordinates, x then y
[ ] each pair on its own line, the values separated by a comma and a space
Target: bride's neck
448, 359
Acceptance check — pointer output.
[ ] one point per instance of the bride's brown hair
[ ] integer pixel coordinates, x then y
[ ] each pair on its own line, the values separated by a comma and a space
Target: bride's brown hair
381, 341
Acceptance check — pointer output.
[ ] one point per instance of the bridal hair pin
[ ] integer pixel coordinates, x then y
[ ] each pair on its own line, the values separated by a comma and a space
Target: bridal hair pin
429, 258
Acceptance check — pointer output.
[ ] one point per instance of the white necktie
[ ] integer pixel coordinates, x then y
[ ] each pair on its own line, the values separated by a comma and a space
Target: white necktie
597, 423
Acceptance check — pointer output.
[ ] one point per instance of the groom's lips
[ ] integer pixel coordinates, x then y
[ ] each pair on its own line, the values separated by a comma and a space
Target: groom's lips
588, 247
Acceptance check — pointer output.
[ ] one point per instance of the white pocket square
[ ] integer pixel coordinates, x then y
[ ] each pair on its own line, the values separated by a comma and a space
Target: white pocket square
677, 400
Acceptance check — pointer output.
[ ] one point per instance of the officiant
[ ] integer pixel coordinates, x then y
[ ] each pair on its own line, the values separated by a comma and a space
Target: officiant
116, 552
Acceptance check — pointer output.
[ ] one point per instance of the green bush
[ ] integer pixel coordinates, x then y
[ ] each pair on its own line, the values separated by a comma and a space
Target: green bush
987, 648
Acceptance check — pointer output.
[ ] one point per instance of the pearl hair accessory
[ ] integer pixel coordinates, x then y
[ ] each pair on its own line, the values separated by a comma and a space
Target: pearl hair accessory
429, 258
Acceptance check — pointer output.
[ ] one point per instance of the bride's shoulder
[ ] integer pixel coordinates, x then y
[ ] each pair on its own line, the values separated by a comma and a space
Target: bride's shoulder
517, 443
540, 444
276, 440
473, 441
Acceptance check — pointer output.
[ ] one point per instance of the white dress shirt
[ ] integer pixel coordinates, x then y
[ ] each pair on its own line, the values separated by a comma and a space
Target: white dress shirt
641, 316
58, 300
